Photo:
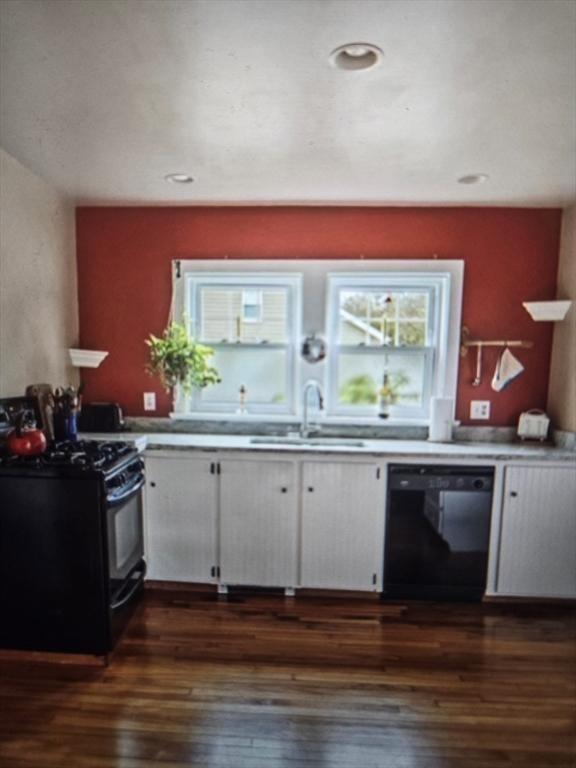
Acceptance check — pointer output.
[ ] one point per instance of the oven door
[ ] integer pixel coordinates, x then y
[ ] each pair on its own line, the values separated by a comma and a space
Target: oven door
125, 537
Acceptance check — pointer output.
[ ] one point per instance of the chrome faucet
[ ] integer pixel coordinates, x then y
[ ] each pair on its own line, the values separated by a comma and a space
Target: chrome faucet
307, 429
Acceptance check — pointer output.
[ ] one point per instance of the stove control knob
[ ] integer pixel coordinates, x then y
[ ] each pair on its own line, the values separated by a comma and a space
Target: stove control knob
118, 480
478, 483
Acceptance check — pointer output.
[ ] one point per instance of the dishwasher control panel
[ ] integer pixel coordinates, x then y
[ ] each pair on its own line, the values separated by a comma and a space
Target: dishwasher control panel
441, 478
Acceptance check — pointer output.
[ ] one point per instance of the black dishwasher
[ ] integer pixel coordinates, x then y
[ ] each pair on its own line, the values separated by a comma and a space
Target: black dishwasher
437, 532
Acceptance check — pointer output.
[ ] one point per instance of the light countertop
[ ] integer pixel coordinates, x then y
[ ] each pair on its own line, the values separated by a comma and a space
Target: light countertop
356, 446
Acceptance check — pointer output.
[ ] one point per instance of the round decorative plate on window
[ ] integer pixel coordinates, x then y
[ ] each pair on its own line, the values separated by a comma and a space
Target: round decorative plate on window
313, 349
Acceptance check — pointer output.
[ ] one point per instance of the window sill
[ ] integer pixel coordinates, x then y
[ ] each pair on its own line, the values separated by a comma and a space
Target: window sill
260, 418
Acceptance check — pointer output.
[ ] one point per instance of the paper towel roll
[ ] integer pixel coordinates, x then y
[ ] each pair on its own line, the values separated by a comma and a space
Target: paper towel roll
441, 419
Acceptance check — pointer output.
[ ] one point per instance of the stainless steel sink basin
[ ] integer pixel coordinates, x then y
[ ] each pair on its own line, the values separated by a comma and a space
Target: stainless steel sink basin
319, 441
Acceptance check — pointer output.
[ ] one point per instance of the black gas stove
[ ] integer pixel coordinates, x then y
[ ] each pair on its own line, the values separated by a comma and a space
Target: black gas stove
79, 454
71, 545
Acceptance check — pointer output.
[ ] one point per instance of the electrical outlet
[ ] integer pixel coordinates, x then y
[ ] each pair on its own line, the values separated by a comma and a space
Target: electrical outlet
480, 409
149, 401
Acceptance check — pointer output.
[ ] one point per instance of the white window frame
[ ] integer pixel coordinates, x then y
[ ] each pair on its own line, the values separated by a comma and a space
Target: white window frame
189, 308
438, 288
311, 318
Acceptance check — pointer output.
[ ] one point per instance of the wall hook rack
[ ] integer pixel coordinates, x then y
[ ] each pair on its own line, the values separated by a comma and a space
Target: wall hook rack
466, 343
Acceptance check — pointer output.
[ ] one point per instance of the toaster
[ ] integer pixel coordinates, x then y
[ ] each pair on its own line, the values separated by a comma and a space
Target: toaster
101, 417
533, 425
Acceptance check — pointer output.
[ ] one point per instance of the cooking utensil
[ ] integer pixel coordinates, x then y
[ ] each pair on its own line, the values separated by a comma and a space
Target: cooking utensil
66, 404
45, 396
478, 379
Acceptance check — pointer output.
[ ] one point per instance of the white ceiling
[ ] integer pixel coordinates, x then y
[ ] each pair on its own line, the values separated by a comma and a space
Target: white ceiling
104, 97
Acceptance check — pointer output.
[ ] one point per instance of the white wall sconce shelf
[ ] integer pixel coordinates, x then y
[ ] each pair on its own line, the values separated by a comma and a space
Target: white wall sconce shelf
549, 311
86, 358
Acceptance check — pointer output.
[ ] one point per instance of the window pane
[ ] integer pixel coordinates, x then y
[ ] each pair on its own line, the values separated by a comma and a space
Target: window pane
360, 377
252, 306
251, 312
412, 334
232, 314
252, 297
413, 305
374, 318
261, 371
362, 317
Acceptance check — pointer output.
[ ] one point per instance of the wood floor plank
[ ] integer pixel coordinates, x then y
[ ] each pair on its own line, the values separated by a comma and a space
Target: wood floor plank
256, 681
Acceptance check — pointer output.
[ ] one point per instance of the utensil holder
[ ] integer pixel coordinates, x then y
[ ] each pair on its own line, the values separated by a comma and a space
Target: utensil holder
65, 426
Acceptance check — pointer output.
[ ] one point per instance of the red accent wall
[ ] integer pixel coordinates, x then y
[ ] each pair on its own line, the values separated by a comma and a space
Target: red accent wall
124, 255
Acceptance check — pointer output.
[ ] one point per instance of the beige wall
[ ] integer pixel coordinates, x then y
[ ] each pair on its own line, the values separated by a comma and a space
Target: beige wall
38, 295
562, 393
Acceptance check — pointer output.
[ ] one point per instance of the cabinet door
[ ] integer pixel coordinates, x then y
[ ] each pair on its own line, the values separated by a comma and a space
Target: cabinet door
538, 534
342, 526
181, 498
258, 515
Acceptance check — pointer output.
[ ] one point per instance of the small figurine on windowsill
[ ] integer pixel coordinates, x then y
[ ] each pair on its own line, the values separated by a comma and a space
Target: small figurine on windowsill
242, 394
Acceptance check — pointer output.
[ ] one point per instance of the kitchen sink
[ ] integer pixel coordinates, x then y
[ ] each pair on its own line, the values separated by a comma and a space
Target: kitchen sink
297, 440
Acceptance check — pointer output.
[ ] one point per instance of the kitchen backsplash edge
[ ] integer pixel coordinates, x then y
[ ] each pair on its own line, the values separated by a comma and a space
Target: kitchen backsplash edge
235, 427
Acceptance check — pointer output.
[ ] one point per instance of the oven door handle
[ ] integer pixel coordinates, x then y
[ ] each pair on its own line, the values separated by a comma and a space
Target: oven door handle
130, 586
114, 500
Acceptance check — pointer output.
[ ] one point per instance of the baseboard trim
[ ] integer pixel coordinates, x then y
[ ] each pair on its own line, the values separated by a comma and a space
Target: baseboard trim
50, 657
525, 600
235, 589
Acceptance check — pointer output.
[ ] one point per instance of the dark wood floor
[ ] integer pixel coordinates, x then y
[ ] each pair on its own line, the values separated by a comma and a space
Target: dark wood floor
263, 682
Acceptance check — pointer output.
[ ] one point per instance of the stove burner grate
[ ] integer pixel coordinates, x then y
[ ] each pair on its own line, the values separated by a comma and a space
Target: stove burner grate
83, 454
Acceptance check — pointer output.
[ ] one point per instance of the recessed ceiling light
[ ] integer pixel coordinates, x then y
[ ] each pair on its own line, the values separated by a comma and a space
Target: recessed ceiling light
474, 178
356, 56
179, 178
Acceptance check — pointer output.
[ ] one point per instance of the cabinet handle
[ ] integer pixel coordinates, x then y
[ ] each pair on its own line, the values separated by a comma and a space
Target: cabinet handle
152, 484
310, 489
284, 490
513, 494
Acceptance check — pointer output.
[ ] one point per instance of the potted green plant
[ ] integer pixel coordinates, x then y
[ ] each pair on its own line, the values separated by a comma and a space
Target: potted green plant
179, 360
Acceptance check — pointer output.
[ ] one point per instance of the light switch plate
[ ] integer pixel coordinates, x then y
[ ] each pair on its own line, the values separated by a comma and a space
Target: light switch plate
149, 401
480, 409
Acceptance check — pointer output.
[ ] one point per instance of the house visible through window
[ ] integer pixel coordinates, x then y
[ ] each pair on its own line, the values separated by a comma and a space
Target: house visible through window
251, 322
393, 318
384, 326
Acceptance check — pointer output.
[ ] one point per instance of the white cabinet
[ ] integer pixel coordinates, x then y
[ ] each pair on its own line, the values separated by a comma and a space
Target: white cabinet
232, 521
181, 516
297, 521
537, 554
258, 522
342, 525
264, 521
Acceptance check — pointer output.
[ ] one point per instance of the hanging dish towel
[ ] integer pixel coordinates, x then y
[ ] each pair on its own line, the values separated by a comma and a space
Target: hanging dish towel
507, 369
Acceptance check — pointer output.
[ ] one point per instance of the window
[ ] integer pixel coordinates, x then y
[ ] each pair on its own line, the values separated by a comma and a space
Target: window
377, 316
252, 306
385, 324
252, 323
